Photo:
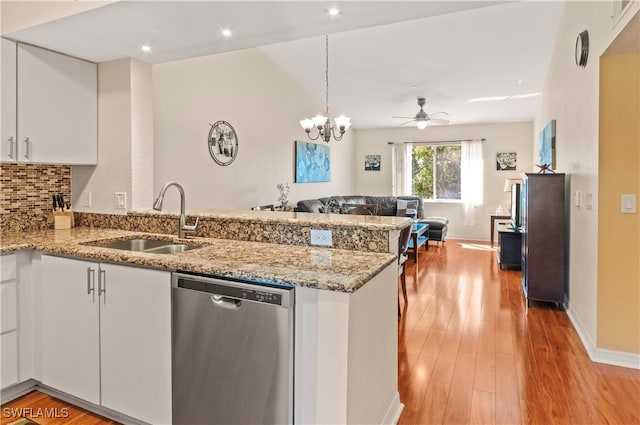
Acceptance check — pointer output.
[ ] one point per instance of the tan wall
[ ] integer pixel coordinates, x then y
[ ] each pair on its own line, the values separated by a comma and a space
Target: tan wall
500, 137
619, 234
263, 104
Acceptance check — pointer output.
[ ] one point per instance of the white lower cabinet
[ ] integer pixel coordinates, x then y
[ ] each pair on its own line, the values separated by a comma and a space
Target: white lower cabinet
106, 335
8, 321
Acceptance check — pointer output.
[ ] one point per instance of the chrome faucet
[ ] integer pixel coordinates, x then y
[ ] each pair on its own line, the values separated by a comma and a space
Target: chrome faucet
157, 205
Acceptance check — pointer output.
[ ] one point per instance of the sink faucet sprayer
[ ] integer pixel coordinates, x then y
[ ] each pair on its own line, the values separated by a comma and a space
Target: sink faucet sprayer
157, 205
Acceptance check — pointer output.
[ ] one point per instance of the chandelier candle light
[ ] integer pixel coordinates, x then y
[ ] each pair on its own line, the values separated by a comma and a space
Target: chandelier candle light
322, 123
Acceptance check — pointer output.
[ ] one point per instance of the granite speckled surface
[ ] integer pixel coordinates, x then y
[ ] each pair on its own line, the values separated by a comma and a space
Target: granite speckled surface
353, 232
321, 268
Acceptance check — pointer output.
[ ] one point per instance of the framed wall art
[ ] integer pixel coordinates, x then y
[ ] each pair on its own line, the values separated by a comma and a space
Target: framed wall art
372, 162
506, 161
313, 163
548, 146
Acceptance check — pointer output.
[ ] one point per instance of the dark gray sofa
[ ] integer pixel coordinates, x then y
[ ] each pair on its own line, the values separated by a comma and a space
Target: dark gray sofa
387, 205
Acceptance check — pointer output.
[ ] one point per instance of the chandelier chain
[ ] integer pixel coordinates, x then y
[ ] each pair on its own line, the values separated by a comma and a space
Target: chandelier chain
326, 72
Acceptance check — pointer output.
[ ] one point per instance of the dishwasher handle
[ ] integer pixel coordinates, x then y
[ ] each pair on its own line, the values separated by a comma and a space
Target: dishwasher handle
225, 302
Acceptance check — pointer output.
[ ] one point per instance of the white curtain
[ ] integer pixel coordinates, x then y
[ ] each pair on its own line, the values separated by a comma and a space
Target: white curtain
401, 169
471, 179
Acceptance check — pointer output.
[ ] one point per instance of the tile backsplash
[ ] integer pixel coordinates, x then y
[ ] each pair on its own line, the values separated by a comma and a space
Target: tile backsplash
25, 194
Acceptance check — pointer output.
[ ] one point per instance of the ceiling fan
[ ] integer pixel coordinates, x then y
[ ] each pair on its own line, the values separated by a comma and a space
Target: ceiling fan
421, 118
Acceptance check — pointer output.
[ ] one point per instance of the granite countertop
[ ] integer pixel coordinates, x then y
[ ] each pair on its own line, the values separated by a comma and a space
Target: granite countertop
374, 222
305, 266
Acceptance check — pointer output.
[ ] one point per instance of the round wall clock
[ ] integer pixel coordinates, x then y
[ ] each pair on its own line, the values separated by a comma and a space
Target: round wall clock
582, 48
223, 142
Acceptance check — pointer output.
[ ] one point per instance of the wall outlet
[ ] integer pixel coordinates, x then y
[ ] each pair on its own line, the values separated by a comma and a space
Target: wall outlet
121, 200
321, 237
87, 199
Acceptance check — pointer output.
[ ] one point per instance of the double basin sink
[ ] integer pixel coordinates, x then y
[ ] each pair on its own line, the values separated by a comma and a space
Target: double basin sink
151, 246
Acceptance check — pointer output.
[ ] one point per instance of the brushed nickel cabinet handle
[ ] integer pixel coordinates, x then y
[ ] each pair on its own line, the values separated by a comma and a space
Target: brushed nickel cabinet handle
28, 148
91, 279
10, 147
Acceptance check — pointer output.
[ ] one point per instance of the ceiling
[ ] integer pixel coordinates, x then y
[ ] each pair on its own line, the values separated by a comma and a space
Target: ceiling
383, 54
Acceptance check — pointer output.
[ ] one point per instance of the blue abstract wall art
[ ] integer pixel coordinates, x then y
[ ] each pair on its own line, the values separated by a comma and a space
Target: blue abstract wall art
548, 145
313, 163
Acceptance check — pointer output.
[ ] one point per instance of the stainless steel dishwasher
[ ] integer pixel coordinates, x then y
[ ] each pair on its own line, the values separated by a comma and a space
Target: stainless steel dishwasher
232, 351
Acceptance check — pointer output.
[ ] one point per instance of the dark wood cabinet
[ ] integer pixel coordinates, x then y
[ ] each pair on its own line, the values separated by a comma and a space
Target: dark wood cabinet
509, 254
544, 227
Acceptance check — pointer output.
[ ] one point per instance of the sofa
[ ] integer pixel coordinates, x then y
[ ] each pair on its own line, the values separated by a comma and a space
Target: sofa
387, 205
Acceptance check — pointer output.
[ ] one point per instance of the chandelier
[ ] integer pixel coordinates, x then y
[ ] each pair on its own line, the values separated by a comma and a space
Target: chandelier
324, 128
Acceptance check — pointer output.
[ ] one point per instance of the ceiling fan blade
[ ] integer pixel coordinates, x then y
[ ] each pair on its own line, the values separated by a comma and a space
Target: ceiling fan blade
439, 120
436, 113
408, 122
403, 117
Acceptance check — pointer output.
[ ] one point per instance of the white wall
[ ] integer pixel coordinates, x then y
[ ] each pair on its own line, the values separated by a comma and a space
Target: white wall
125, 141
264, 106
510, 137
571, 97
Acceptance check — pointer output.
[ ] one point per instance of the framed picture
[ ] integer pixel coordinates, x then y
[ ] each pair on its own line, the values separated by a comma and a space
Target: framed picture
506, 161
372, 162
313, 163
548, 145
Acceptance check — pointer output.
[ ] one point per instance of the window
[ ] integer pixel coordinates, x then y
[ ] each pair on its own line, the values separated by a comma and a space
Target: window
435, 171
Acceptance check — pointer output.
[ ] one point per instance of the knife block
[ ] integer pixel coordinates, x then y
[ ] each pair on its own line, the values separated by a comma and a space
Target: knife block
63, 219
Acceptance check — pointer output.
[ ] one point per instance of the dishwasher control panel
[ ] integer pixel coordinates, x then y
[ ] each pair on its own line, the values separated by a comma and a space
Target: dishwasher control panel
235, 290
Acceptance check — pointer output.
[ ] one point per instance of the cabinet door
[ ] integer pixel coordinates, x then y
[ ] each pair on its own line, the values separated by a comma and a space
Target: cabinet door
8, 90
70, 330
8, 359
135, 327
57, 107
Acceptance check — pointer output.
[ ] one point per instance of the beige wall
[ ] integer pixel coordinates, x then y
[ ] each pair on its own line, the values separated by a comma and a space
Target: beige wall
571, 97
509, 137
619, 234
125, 141
263, 104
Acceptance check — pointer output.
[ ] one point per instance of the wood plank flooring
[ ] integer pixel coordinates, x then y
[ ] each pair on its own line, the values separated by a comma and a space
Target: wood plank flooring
46, 410
471, 352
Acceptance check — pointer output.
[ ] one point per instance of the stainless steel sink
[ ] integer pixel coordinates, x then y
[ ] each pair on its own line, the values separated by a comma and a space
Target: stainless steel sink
152, 246
171, 249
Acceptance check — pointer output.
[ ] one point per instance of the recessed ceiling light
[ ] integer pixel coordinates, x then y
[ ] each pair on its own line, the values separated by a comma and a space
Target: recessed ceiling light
226, 32
488, 99
522, 96
145, 48
333, 11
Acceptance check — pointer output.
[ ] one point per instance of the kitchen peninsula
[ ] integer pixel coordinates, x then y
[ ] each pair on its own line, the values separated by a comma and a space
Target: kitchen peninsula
345, 301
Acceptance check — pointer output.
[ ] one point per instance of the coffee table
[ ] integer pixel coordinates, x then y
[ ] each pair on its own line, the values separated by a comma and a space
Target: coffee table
419, 237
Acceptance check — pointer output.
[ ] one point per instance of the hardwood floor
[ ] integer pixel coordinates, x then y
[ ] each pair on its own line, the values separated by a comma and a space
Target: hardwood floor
471, 352
46, 410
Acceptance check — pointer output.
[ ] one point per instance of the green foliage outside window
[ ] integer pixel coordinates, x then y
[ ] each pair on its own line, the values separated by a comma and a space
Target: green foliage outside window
436, 172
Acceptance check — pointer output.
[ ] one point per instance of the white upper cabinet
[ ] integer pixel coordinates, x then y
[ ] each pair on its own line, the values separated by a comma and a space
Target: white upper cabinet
8, 148
57, 107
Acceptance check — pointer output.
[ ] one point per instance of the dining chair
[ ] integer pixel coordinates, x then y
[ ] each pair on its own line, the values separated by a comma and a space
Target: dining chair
403, 245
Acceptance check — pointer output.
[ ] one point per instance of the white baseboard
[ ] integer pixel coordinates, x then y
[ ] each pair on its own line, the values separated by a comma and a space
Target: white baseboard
394, 411
601, 355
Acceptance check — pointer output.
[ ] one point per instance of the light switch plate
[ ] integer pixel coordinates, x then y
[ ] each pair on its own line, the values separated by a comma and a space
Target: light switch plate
121, 200
576, 197
628, 203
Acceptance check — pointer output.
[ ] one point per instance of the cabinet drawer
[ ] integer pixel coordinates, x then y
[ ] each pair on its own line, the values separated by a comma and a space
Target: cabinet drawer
9, 304
7, 267
8, 359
